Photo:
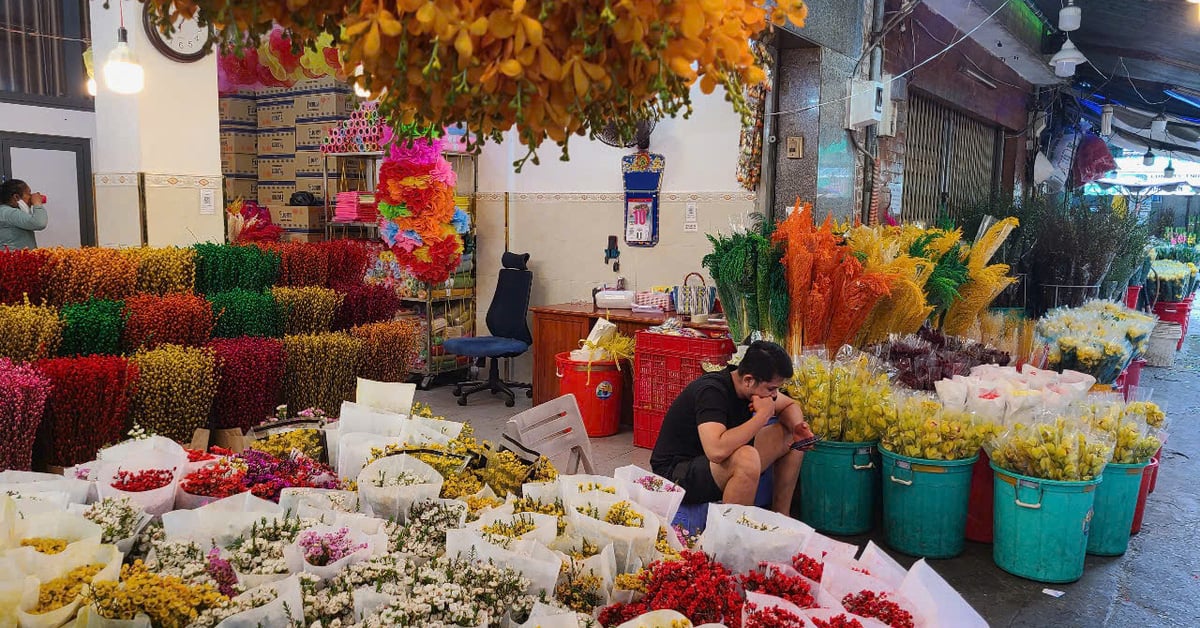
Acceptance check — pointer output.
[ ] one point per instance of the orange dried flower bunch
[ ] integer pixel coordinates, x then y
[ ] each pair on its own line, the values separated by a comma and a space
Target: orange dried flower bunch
77, 275
551, 68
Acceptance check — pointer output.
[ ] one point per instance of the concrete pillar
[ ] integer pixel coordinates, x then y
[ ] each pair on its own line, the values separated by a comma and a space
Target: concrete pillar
157, 152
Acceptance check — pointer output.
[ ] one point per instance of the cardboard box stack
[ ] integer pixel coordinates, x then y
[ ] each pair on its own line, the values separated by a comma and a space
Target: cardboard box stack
271, 149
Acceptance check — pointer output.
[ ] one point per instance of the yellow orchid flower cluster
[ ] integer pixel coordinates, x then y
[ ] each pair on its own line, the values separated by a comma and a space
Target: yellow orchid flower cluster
551, 68
1062, 449
924, 428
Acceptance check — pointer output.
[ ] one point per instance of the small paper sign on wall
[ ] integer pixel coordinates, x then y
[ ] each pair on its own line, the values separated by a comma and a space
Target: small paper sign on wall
642, 173
641, 220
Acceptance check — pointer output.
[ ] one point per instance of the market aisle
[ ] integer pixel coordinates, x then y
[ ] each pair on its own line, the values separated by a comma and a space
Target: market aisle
1156, 583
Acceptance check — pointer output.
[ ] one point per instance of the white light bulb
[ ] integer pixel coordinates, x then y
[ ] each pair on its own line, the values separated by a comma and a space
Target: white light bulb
1066, 69
1069, 17
122, 73
91, 87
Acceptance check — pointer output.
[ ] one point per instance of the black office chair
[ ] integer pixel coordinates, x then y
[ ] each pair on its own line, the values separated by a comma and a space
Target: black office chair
508, 324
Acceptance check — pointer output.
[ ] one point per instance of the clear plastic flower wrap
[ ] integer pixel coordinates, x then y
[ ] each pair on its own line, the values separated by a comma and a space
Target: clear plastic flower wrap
743, 536
1060, 447
390, 485
923, 427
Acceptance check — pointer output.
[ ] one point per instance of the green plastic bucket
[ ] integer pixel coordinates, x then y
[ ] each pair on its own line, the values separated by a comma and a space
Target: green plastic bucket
839, 487
1041, 530
1116, 502
925, 504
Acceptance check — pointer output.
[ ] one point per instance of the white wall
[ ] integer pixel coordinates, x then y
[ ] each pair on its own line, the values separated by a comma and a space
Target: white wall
48, 121
562, 213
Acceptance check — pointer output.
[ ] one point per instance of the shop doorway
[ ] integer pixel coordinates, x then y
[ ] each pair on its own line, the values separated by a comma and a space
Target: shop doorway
60, 168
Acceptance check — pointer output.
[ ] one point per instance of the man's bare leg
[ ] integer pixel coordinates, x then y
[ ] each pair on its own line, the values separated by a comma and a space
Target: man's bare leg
738, 476
774, 448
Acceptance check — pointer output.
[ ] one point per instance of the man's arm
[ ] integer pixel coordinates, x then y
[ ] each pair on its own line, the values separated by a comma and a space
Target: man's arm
791, 416
30, 222
719, 441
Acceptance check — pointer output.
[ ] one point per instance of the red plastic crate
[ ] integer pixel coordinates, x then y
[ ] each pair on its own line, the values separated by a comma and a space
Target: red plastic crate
665, 365
646, 425
1180, 312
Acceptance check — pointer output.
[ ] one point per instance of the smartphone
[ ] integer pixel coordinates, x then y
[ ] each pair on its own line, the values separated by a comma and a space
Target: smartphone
806, 443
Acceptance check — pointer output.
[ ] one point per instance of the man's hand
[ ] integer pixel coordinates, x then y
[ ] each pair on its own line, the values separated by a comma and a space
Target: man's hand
801, 431
763, 407
39, 198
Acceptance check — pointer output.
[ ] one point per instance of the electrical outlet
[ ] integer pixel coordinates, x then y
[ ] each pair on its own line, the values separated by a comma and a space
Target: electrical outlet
795, 147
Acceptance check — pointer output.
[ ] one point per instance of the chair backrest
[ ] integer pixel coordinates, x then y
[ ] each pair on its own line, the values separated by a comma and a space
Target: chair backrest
555, 430
508, 316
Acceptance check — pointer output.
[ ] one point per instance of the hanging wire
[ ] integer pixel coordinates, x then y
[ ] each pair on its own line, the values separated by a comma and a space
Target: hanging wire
902, 74
25, 33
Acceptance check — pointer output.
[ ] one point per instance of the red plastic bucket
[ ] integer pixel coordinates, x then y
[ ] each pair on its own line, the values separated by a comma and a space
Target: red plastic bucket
1143, 492
1154, 473
597, 389
1131, 296
982, 504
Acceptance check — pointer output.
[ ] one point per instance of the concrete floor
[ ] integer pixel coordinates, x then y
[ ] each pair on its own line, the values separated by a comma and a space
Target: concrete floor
1155, 584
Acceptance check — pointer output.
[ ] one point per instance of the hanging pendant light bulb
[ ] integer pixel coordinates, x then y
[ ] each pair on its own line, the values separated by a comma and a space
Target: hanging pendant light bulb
1158, 125
1065, 60
91, 87
361, 91
1106, 120
1148, 158
1169, 171
122, 72
1070, 17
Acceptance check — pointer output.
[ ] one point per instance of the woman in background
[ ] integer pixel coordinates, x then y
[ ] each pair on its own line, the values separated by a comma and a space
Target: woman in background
21, 213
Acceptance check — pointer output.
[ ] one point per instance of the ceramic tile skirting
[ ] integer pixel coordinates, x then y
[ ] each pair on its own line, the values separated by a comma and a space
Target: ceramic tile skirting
183, 181
115, 179
614, 197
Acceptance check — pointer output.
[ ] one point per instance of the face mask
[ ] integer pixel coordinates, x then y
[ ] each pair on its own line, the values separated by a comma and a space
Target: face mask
22, 204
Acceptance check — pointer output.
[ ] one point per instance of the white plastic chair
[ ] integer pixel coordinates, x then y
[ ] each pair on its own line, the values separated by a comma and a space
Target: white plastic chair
555, 430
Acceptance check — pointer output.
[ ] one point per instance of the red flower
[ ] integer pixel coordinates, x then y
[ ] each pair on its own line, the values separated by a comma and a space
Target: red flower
876, 605
301, 264
808, 566
88, 407
178, 319
23, 274
837, 621
196, 455
250, 375
697, 586
794, 589
362, 304
771, 617
348, 259
142, 481
216, 480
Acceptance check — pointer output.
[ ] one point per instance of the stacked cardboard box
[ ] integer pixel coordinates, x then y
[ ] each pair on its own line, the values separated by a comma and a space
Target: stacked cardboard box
271, 140
239, 150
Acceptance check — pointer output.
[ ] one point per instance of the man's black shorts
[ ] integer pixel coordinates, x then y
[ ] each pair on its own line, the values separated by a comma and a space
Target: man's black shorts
695, 476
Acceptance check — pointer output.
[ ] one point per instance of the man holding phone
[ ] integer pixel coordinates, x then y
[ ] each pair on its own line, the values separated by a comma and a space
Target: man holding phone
22, 212
717, 438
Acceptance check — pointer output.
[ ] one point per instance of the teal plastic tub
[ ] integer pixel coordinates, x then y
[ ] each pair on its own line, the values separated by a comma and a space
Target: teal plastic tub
925, 504
1041, 526
1116, 504
839, 487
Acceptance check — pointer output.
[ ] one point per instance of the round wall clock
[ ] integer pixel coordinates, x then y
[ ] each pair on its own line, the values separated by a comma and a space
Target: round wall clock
186, 44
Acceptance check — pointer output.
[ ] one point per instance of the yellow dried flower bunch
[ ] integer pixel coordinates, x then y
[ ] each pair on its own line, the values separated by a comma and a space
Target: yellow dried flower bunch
45, 545
163, 271
319, 370
63, 590
479, 503
502, 532
305, 440
461, 485
631, 581
587, 487
168, 601
29, 332
307, 310
175, 390
623, 514
664, 547
556, 509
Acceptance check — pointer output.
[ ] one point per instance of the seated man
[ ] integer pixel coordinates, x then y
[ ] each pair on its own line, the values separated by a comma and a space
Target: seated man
715, 441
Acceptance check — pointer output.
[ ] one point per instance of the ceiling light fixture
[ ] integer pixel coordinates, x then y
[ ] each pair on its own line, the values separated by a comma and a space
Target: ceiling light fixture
1106, 120
1148, 158
1169, 171
122, 72
1065, 60
1070, 17
978, 76
1158, 125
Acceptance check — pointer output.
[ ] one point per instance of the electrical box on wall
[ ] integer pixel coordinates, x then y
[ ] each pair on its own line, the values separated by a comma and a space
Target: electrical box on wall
868, 102
887, 125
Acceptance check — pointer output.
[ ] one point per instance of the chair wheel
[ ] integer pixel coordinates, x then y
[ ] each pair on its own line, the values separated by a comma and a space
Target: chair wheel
462, 401
529, 393
495, 392
457, 392
510, 402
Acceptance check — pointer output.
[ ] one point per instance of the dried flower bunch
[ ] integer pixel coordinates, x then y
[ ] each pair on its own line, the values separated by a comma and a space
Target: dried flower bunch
307, 310
176, 319
163, 271
29, 332
245, 313
77, 275
88, 406
220, 268
319, 370
23, 394
389, 350
23, 275
92, 328
168, 601
176, 386
249, 385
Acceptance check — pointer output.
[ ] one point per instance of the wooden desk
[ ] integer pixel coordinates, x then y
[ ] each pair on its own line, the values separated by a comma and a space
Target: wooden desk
559, 328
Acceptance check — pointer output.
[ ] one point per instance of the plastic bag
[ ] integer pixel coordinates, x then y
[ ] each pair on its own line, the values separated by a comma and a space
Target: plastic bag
286, 610
434, 431
393, 502
881, 565
66, 526
657, 619
156, 501
354, 451
546, 616
297, 563
89, 617
761, 601
11, 590
545, 527
935, 601
819, 547
572, 486
366, 420
531, 559
386, 396
663, 503
50, 566
106, 555
221, 521
152, 446
629, 543
743, 536
292, 498
124, 545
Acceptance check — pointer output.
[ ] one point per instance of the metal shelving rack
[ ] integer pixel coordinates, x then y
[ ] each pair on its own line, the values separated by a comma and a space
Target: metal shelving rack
442, 309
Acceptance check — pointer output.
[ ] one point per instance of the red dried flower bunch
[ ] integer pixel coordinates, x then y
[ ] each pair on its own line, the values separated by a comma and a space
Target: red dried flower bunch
696, 585
770, 617
772, 581
177, 319
389, 350
250, 381
363, 304
301, 264
221, 479
23, 274
142, 481
876, 605
197, 455
837, 621
348, 260
88, 407
808, 566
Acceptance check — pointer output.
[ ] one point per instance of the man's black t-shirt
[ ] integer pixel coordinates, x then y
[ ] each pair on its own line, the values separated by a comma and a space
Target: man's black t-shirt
711, 398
